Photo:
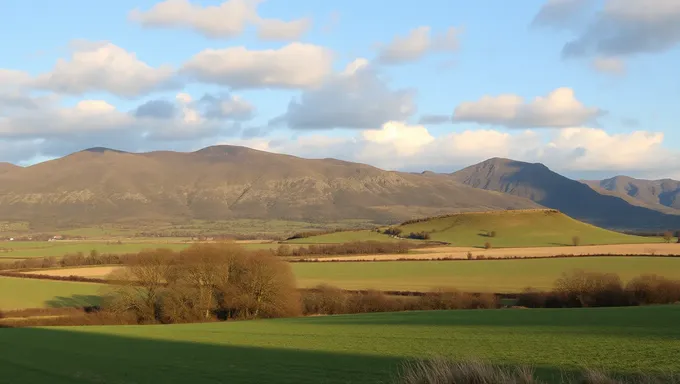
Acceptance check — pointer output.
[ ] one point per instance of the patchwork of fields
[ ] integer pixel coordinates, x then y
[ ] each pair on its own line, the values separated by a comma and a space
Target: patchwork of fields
364, 348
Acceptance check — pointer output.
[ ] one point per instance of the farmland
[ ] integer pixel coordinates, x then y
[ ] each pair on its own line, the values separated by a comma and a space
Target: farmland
31, 293
506, 276
342, 349
501, 229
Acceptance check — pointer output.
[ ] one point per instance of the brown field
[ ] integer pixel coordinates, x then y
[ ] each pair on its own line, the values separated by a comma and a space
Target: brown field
528, 252
90, 272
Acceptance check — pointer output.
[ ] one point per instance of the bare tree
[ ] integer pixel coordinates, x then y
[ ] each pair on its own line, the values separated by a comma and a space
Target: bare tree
668, 236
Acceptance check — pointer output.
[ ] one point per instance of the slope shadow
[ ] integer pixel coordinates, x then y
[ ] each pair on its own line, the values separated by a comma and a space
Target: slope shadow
80, 356
75, 301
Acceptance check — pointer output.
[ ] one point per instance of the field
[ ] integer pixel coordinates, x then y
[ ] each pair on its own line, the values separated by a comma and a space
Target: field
365, 348
31, 293
498, 276
534, 228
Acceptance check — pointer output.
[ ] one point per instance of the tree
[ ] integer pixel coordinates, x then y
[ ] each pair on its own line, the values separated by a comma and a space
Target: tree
668, 236
576, 241
487, 245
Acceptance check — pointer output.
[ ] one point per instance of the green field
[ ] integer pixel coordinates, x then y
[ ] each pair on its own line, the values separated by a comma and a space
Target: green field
519, 229
499, 276
17, 293
365, 348
528, 228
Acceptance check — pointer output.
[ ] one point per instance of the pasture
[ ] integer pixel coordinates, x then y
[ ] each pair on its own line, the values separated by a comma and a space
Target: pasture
536, 228
17, 293
366, 348
497, 276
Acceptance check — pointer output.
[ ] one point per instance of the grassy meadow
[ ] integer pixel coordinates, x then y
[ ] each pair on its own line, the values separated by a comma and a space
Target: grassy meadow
366, 348
18, 293
528, 228
497, 276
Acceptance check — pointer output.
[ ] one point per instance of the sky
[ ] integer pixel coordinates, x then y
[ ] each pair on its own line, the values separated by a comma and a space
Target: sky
591, 88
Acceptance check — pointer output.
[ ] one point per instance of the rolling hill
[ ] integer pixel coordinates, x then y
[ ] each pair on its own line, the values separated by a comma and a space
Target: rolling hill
224, 182
663, 195
7, 167
517, 228
550, 189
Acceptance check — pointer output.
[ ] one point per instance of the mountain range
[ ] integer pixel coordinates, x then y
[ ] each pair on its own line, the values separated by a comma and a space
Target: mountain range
662, 195
101, 185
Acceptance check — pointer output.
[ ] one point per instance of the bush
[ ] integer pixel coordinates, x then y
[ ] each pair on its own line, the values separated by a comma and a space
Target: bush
653, 289
419, 235
488, 245
591, 289
576, 241
492, 234
668, 236
393, 231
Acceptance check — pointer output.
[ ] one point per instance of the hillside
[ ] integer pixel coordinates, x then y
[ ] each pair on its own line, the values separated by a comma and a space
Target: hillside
225, 182
7, 167
659, 194
540, 184
532, 228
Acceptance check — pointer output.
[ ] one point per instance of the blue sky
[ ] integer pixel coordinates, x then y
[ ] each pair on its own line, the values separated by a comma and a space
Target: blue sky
77, 77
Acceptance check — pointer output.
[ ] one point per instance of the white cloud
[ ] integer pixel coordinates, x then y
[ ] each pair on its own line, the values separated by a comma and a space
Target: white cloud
416, 44
609, 65
355, 98
226, 20
13, 79
559, 108
296, 65
102, 66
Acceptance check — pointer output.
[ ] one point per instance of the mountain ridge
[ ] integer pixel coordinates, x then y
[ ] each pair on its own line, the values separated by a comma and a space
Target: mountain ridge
227, 182
537, 182
661, 193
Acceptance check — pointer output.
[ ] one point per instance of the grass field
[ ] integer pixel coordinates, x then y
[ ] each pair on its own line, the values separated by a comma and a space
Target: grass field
364, 348
18, 293
530, 228
499, 276
519, 229
30, 249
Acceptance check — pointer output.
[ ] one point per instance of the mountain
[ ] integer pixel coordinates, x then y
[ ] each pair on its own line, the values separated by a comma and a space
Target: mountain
540, 184
658, 194
225, 182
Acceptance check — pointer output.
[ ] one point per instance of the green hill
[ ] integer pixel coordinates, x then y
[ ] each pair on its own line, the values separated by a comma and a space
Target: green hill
503, 229
522, 228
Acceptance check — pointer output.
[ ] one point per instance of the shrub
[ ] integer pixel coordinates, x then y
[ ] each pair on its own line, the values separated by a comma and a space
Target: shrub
419, 235
470, 256
668, 236
653, 289
576, 241
487, 245
591, 289
492, 234
393, 231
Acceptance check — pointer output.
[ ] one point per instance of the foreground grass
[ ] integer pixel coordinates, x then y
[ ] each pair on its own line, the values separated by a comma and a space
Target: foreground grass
17, 293
344, 349
498, 276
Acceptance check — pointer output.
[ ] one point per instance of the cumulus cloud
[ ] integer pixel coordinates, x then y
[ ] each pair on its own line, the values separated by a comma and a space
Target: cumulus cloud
296, 65
563, 14
618, 28
103, 66
558, 109
401, 146
355, 98
416, 44
53, 130
226, 20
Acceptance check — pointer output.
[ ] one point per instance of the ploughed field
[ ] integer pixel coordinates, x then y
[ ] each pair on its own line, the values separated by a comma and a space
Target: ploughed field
366, 348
